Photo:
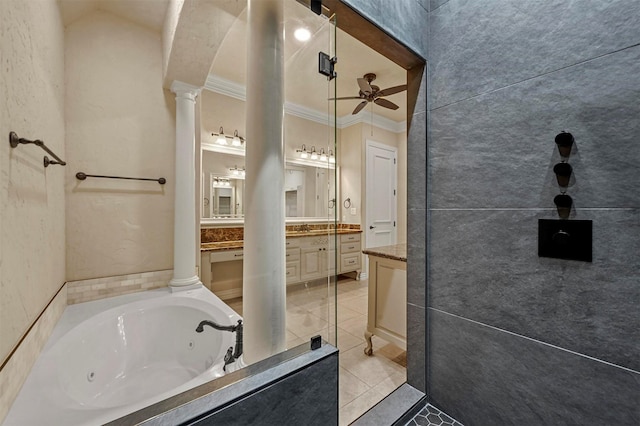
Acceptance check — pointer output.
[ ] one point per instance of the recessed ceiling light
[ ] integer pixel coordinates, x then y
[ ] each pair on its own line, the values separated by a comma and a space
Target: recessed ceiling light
302, 34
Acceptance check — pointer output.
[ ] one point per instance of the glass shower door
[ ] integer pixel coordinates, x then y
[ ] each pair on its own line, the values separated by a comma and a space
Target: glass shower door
310, 135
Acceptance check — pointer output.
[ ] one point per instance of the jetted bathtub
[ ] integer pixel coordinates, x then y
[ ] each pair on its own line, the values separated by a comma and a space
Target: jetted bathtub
111, 357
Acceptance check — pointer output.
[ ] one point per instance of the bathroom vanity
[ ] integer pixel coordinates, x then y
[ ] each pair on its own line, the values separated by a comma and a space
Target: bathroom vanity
387, 295
310, 255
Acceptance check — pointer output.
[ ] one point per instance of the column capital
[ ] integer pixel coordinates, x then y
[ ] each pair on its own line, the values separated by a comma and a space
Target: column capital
185, 90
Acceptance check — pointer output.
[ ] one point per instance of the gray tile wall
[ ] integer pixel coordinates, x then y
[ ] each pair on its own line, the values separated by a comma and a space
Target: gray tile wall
513, 338
306, 397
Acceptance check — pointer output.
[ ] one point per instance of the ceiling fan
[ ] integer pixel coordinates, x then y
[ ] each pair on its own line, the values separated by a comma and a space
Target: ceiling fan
372, 93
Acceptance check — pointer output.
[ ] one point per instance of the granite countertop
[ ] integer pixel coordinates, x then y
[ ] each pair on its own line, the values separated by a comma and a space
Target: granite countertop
238, 244
395, 252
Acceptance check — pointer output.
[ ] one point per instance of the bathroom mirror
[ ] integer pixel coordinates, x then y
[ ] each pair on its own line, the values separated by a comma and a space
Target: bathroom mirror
309, 189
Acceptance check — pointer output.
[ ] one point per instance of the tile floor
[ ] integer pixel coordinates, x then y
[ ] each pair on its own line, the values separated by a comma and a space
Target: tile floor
364, 380
431, 416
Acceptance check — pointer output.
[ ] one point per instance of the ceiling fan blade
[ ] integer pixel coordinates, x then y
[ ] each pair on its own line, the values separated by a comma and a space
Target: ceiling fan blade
392, 90
359, 107
365, 86
385, 103
347, 97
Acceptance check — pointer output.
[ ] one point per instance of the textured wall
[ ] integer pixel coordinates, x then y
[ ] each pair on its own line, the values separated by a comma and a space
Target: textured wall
32, 226
518, 339
119, 122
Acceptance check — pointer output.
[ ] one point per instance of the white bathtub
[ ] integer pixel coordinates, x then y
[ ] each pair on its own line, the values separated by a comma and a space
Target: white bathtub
111, 357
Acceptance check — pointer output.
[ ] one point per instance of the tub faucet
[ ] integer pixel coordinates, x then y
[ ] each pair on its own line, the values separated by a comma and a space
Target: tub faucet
232, 354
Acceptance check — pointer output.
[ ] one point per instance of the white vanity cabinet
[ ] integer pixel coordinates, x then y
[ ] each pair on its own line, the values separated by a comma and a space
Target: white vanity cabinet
350, 256
317, 257
307, 258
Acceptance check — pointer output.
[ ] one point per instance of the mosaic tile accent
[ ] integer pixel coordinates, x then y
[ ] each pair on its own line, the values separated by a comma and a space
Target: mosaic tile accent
431, 416
100, 288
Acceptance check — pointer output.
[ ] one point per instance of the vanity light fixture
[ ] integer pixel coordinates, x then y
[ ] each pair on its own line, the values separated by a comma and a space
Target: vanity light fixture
220, 182
238, 173
314, 154
332, 158
222, 140
323, 156
302, 34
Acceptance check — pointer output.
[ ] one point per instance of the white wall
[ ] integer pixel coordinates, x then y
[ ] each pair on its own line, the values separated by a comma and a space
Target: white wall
32, 225
119, 122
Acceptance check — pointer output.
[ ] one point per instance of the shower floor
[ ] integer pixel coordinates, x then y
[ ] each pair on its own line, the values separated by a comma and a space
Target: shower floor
364, 380
431, 416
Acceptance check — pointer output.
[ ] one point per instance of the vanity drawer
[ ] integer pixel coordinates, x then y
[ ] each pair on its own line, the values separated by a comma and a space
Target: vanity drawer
292, 242
225, 255
293, 254
350, 247
349, 238
350, 261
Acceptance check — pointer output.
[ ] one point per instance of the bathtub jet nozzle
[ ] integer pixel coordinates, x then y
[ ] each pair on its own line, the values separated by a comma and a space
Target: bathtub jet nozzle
233, 353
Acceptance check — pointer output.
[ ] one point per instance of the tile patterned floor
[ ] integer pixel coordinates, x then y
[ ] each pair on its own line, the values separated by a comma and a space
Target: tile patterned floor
364, 380
431, 416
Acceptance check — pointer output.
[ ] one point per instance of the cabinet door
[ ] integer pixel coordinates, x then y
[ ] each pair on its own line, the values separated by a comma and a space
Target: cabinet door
328, 262
311, 263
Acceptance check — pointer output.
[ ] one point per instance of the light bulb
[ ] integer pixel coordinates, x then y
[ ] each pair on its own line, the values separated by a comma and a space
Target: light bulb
303, 152
221, 139
236, 139
302, 34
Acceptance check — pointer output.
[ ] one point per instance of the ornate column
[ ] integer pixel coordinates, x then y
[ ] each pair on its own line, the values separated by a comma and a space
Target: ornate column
184, 244
264, 288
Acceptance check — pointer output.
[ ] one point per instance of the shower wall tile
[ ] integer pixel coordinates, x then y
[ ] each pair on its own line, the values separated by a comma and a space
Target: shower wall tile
417, 347
486, 376
484, 266
406, 20
425, 4
17, 369
416, 257
100, 288
417, 162
482, 46
436, 4
308, 396
498, 150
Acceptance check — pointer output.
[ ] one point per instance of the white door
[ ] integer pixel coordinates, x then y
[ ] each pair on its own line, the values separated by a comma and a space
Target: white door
381, 176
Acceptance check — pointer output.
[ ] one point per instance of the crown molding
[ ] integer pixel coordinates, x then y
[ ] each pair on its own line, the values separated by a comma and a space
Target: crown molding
234, 90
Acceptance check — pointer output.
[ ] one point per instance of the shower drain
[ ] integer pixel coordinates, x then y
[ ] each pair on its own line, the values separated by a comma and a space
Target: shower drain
90, 376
